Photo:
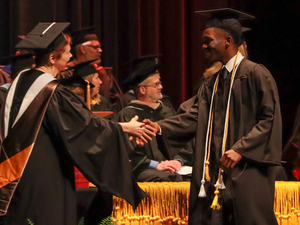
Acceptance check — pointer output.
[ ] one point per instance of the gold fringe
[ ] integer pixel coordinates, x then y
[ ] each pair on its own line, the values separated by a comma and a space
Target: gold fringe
168, 204
286, 205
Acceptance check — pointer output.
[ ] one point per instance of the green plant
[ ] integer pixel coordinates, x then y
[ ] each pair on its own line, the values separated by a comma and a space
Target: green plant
107, 221
30, 222
81, 221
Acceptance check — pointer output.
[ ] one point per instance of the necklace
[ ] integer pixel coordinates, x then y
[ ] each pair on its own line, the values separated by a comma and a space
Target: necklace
46, 69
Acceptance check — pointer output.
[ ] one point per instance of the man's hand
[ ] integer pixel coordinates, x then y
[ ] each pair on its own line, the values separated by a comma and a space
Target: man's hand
138, 130
166, 166
171, 166
230, 158
177, 164
154, 125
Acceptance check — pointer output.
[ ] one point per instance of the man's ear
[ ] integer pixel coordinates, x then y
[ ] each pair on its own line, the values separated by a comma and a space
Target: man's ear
82, 49
228, 42
142, 90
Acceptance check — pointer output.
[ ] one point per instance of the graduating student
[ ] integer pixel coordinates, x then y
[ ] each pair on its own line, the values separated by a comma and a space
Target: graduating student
46, 129
236, 121
152, 162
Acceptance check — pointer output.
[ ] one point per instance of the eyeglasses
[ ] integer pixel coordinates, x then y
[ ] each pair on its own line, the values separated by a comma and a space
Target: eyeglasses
155, 85
94, 47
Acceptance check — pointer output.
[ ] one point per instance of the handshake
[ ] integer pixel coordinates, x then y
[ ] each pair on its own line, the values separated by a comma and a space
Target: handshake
141, 131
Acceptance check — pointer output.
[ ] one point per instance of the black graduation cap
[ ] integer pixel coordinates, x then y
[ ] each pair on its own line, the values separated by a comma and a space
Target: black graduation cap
245, 29
45, 37
227, 19
83, 69
19, 63
143, 67
75, 81
83, 35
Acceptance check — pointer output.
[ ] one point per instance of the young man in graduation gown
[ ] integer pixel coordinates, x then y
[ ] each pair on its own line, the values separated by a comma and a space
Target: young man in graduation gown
45, 130
237, 130
152, 162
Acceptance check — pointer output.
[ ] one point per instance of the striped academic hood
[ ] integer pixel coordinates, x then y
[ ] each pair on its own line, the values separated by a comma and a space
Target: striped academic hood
16, 143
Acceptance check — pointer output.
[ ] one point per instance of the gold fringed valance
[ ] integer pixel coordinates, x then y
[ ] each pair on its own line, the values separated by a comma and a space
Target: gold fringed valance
286, 205
168, 204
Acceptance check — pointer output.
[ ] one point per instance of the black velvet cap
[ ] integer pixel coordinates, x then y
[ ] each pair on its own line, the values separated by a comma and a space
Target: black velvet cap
143, 67
83, 69
75, 81
227, 19
44, 38
19, 63
83, 35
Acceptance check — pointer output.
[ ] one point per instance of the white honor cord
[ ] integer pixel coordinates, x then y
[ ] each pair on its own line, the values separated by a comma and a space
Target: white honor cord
208, 128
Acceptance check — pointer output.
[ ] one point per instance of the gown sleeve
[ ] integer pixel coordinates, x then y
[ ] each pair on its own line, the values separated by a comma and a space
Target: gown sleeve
96, 146
137, 155
261, 144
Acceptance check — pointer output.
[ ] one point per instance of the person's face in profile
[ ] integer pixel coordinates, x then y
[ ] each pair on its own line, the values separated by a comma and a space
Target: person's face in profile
93, 50
213, 46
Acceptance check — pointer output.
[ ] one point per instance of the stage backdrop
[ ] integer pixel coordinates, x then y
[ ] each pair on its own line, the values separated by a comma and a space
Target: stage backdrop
132, 28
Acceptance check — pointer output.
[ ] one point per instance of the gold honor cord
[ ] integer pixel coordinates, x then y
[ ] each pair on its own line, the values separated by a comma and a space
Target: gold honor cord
210, 135
207, 148
202, 193
215, 203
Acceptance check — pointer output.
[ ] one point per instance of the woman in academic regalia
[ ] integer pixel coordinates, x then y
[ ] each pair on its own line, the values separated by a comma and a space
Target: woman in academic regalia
46, 129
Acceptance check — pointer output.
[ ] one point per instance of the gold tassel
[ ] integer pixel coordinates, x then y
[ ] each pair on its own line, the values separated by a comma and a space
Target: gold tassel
215, 204
134, 220
126, 220
88, 95
293, 216
277, 217
207, 171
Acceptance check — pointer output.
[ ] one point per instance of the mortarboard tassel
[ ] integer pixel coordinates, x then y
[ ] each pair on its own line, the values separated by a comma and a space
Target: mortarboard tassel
202, 190
88, 95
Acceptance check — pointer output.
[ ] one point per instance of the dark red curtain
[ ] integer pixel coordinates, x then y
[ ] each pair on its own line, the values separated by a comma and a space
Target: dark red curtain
133, 28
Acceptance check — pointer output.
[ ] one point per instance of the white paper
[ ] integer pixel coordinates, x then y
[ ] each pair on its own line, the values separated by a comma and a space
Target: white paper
185, 170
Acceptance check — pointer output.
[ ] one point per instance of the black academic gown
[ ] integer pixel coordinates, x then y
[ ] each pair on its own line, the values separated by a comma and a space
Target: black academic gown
154, 150
70, 135
104, 105
126, 98
254, 132
3, 93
